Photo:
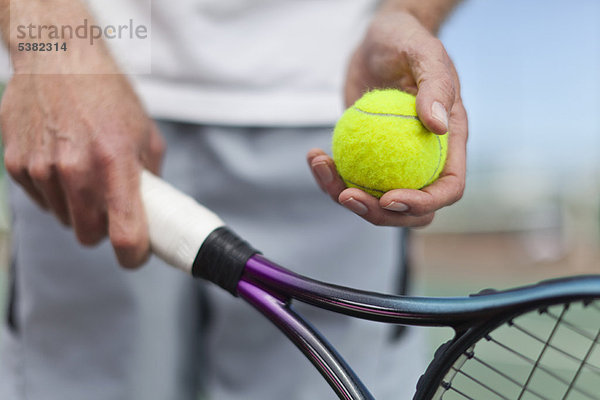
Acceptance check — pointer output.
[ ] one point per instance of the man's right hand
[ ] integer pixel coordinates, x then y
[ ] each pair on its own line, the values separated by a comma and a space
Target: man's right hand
77, 144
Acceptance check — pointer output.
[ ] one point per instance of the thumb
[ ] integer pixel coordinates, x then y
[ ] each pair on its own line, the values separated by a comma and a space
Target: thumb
436, 94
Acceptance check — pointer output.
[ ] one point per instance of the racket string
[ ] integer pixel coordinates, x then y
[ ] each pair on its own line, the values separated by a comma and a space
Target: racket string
593, 368
500, 373
542, 368
464, 395
551, 342
539, 358
582, 364
508, 377
574, 328
487, 387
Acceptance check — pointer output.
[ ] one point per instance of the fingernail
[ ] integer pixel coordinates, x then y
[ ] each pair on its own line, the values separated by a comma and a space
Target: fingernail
323, 172
439, 112
355, 206
396, 206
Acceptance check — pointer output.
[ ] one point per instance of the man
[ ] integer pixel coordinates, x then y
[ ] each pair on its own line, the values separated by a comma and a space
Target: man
240, 90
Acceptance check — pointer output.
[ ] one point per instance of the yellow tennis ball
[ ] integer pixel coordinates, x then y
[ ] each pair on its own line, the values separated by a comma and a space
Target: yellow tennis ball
379, 144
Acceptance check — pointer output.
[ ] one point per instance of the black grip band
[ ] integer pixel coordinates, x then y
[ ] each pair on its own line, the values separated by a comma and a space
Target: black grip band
222, 259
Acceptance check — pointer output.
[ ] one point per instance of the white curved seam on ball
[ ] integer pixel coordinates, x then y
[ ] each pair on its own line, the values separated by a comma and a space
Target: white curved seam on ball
361, 186
386, 114
432, 178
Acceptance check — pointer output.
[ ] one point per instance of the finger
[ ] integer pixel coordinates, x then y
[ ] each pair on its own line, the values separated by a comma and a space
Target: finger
43, 174
45, 179
449, 187
153, 155
437, 89
17, 169
367, 207
15, 137
127, 225
325, 173
443, 192
89, 221
83, 195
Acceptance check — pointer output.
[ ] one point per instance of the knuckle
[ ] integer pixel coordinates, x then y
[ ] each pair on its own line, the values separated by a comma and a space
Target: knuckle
68, 167
445, 86
13, 164
40, 169
105, 156
126, 241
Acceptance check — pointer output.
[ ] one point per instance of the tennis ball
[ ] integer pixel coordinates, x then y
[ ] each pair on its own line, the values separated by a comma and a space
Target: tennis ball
379, 144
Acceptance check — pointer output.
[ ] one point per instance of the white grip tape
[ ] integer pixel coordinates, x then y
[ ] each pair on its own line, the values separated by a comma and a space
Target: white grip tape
178, 224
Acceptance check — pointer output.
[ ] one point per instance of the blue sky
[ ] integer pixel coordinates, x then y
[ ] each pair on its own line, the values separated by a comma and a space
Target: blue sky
530, 72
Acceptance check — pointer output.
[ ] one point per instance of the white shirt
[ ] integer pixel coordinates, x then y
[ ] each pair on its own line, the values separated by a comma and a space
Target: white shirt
246, 62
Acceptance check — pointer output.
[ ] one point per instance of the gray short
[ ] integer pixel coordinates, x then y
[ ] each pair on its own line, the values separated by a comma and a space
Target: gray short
82, 328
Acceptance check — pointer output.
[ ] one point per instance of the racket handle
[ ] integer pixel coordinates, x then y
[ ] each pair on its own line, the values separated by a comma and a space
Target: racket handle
178, 225
190, 237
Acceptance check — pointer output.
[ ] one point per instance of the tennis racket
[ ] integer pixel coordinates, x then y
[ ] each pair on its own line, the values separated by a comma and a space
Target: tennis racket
533, 342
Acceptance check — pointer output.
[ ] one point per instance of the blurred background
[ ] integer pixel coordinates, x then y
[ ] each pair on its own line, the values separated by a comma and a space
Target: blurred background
530, 72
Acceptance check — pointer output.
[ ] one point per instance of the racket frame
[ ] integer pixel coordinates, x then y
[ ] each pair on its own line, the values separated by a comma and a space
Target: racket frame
192, 238
271, 289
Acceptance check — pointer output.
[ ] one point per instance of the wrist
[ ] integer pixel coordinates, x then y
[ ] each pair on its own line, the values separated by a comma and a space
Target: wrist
431, 14
54, 38
65, 57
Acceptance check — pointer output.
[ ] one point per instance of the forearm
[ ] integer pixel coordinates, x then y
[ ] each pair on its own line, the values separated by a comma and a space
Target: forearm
431, 13
4, 20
